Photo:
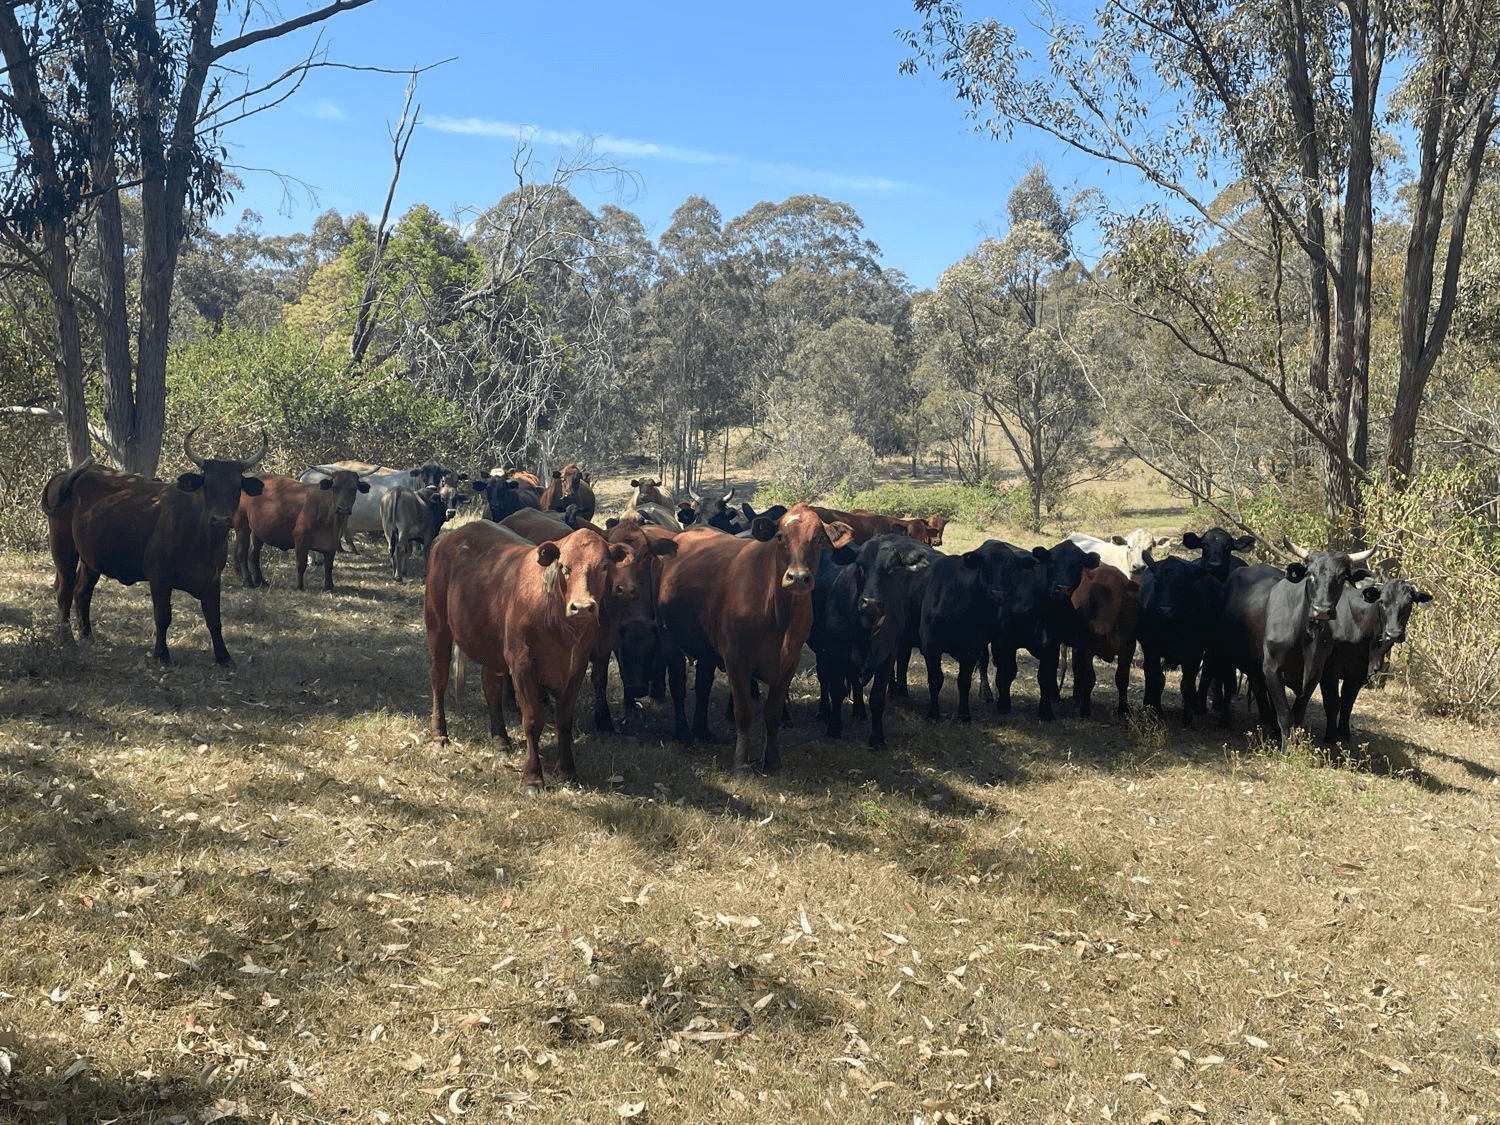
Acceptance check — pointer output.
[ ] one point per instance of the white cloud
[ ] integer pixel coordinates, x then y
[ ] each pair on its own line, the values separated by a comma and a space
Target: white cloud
328, 111
623, 146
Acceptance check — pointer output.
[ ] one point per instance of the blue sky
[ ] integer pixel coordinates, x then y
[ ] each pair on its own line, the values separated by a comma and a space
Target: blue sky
735, 102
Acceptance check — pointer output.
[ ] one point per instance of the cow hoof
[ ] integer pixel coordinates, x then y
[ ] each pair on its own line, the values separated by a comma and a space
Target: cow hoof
532, 789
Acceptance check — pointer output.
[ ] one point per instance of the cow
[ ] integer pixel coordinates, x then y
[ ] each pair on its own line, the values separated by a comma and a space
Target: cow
647, 490
1020, 622
1300, 613
859, 624
745, 603
506, 494
1126, 553
646, 512
569, 487
628, 627
297, 517
524, 611
366, 513
1239, 636
1180, 604
410, 516
712, 511
774, 512
539, 527
1216, 547
102, 522
924, 529
1371, 621
1107, 605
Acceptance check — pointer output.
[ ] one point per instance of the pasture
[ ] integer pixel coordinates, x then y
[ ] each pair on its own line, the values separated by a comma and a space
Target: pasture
263, 894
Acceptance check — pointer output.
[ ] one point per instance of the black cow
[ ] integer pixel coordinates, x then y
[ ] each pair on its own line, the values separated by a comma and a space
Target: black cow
858, 623
715, 512
774, 512
1020, 623
1180, 605
1217, 547
1239, 638
1299, 629
1370, 622
408, 516
504, 495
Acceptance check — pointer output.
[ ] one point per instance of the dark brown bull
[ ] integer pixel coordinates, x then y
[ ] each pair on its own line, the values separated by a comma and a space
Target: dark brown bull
629, 628
1107, 605
745, 603
293, 516
569, 486
523, 611
173, 536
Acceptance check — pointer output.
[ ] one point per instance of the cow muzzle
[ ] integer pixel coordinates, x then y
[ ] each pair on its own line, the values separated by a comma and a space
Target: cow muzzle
797, 579
1322, 612
582, 606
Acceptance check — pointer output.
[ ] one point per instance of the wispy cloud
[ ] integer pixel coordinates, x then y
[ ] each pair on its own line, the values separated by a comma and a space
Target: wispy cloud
624, 146
328, 111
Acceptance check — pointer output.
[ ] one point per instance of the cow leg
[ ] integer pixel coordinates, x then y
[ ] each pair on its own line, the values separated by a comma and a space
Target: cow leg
257, 576
161, 611
66, 561
878, 688
1005, 675
677, 680
440, 659
1083, 680
242, 554
934, 685
1156, 682
1191, 696
301, 566
965, 683
1046, 680
210, 601
328, 569
1277, 692
703, 686
744, 711
776, 694
83, 599
533, 721
1347, 696
830, 695
567, 704
1122, 679
983, 668
599, 679
898, 675
492, 680
857, 698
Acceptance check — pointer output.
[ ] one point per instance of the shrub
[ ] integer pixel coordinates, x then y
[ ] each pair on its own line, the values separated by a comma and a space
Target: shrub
1292, 510
1094, 512
969, 503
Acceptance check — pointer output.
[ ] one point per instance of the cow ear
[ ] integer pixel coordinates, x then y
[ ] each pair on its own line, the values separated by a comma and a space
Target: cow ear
1042, 554
1362, 575
763, 529
557, 474
1119, 540
1371, 594
635, 484
973, 560
611, 522
1295, 572
663, 547
547, 553
325, 484
1421, 596
460, 476
1244, 542
250, 486
1164, 541
364, 486
190, 482
1091, 560
619, 553
839, 533
1191, 541
588, 478
415, 473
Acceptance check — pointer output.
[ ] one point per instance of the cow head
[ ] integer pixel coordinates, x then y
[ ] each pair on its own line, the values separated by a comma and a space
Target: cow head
935, 525
648, 491
1068, 561
802, 537
578, 566
504, 495
1327, 575
1101, 602
629, 581
221, 482
714, 511
774, 512
345, 484
1396, 598
1136, 544
883, 570
1181, 591
1217, 547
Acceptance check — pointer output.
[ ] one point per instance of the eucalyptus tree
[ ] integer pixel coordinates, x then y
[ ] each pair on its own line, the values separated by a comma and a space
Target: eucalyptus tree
1288, 99
99, 97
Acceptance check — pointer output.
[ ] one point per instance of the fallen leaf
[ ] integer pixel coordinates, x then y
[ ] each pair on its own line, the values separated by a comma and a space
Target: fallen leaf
630, 1109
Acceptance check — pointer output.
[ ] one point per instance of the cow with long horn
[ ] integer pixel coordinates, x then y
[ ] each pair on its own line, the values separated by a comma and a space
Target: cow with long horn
173, 536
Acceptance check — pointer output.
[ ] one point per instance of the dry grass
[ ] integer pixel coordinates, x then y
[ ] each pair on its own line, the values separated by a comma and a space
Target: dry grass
263, 894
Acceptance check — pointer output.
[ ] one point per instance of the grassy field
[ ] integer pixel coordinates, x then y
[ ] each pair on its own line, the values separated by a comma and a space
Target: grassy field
262, 894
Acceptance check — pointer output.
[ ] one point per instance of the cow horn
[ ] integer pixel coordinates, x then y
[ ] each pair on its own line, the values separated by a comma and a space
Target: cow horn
1361, 556
259, 453
1300, 552
187, 447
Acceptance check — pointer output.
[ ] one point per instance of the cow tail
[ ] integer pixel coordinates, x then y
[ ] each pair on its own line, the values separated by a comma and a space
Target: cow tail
52, 499
458, 667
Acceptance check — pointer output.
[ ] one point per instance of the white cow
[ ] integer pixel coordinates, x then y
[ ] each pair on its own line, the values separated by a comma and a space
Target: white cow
1126, 553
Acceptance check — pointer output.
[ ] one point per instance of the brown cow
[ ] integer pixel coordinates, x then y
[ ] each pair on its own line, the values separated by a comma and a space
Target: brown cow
745, 603
172, 536
295, 517
538, 527
628, 628
867, 524
647, 490
527, 612
1107, 605
924, 529
569, 486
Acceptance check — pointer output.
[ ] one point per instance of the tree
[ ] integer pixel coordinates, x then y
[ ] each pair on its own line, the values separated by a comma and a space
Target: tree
1286, 97
100, 97
1008, 307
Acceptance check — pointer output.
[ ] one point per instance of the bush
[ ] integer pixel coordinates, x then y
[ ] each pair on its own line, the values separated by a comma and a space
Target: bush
1446, 546
1094, 512
1292, 511
969, 503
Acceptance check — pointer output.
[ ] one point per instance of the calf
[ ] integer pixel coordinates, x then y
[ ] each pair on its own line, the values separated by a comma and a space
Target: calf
297, 517
410, 516
101, 522
745, 604
569, 488
1370, 622
1020, 623
1239, 636
523, 611
1299, 629
1180, 603
1107, 605
1216, 547
860, 622
628, 626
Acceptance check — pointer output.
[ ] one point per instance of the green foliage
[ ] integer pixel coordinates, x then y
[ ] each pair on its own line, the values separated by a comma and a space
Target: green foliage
973, 504
1438, 528
1291, 510
297, 387
1089, 509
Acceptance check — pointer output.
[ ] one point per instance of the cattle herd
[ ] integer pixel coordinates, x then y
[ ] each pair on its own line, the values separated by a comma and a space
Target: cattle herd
537, 593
